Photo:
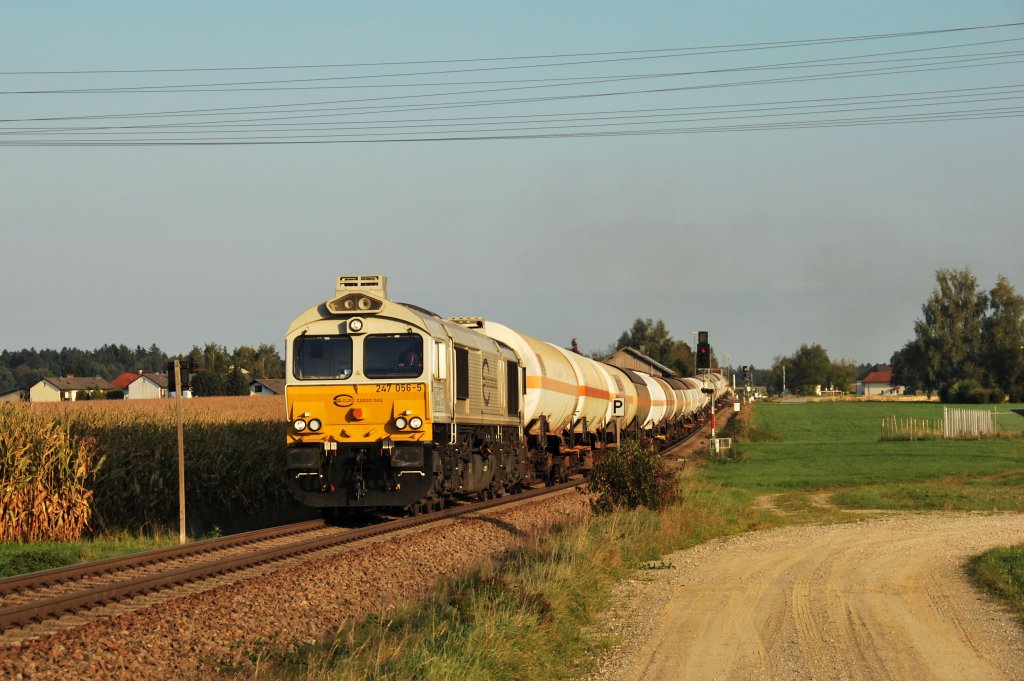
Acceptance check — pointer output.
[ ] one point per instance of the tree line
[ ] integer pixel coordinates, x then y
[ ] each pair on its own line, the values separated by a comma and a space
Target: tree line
219, 372
969, 344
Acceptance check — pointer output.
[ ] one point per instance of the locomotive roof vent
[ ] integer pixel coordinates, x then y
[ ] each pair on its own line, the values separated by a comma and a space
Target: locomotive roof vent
376, 284
469, 322
359, 294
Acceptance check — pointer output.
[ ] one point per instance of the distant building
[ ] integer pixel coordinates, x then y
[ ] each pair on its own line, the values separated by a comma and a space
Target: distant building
66, 389
634, 360
266, 386
147, 387
13, 396
878, 381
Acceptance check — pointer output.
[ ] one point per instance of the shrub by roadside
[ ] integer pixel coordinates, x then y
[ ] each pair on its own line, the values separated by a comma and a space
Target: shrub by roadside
631, 476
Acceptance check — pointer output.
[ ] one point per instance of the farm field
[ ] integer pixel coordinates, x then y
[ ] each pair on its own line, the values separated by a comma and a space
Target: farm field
118, 460
798, 450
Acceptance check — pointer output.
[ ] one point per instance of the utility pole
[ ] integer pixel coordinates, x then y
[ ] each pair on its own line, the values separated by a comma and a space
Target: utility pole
181, 452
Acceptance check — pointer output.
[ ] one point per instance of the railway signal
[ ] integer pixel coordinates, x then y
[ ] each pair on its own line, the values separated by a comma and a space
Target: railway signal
703, 350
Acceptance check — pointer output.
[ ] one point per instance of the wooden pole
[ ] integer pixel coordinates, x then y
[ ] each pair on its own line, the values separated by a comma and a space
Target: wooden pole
181, 452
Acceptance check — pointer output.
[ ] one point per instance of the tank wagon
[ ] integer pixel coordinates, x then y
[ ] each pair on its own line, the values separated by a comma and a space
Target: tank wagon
393, 407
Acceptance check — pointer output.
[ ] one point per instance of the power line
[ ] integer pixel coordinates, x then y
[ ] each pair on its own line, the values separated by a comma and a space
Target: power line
290, 84
736, 46
749, 110
562, 105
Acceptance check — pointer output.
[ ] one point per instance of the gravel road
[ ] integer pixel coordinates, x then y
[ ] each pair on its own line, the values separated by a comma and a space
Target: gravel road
884, 598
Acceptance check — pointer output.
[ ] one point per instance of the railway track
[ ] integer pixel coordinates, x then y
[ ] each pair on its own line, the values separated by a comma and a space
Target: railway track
39, 596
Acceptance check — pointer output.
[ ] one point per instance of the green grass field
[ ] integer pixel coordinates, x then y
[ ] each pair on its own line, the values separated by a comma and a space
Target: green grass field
835, 446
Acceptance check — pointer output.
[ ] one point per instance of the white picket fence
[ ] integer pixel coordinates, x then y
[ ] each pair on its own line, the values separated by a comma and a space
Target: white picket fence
962, 423
956, 424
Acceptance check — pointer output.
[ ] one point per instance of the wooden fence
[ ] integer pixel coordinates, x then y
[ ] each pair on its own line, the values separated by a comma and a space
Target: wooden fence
966, 423
955, 424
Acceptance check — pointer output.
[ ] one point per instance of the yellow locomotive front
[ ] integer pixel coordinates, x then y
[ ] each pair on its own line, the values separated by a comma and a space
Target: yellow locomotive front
363, 374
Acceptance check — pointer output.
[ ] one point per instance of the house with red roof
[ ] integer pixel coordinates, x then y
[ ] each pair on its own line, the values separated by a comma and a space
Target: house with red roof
878, 381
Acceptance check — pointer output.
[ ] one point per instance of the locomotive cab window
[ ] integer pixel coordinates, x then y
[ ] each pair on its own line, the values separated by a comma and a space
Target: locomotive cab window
397, 355
318, 357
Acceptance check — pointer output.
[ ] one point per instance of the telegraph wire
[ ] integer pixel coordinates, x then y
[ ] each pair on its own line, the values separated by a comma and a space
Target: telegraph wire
638, 116
385, 108
247, 86
560, 105
713, 50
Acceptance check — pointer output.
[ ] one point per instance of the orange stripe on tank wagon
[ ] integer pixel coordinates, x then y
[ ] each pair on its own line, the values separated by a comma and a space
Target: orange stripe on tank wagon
587, 391
550, 384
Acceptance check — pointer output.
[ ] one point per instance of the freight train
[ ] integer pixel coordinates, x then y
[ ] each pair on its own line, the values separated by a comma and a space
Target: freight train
393, 407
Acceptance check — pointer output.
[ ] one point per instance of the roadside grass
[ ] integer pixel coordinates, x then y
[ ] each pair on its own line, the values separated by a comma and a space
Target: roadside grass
17, 558
1000, 572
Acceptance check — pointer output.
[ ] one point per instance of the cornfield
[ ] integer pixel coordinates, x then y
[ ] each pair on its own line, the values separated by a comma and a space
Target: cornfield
234, 459
45, 476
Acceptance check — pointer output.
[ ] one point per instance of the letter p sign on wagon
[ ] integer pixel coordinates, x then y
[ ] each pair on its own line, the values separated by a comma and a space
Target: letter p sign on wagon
618, 406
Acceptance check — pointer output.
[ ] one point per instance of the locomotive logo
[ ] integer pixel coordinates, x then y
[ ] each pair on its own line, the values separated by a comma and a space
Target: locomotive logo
486, 387
344, 400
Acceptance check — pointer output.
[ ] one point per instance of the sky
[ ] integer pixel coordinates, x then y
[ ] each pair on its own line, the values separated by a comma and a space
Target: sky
563, 168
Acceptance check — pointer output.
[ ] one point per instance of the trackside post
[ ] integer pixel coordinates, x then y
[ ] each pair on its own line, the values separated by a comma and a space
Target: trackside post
181, 452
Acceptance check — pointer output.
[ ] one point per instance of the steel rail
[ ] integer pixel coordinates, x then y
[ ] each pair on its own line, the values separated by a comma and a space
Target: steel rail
21, 614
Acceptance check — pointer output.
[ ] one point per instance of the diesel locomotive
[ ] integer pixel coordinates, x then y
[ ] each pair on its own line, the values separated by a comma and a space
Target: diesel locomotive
393, 407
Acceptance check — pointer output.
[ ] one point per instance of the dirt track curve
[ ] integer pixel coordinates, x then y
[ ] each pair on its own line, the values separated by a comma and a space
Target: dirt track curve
884, 598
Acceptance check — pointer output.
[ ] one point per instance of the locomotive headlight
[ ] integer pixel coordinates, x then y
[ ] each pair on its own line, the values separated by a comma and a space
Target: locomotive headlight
401, 423
315, 425
415, 423
299, 424
355, 325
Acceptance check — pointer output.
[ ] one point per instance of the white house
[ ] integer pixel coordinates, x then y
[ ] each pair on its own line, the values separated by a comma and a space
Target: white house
878, 383
147, 387
66, 389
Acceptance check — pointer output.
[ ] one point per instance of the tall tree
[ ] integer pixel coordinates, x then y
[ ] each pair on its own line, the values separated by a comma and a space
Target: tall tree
268, 362
811, 367
909, 369
948, 337
842, 374
653, 339
236, 383
1003, 339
